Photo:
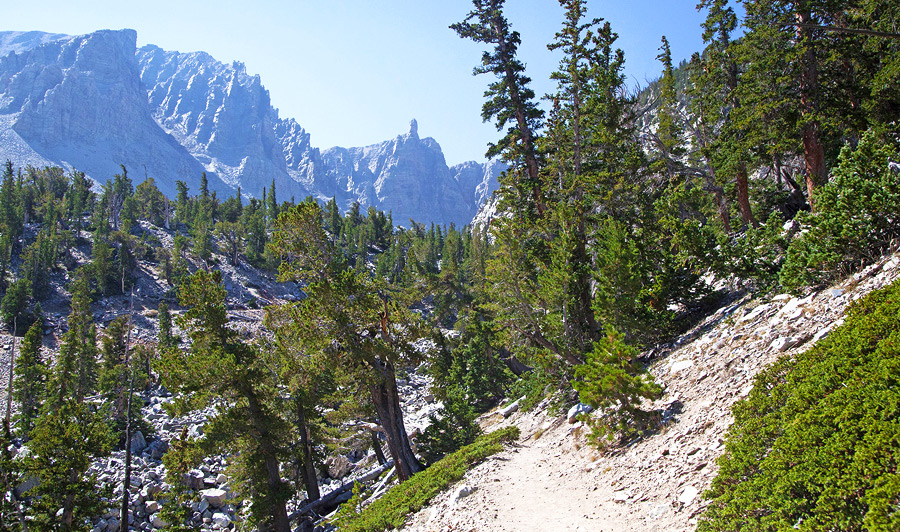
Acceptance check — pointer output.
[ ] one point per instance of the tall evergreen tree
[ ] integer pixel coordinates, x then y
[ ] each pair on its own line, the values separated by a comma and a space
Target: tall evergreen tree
219, 364
30, 378
352, 317
510, 100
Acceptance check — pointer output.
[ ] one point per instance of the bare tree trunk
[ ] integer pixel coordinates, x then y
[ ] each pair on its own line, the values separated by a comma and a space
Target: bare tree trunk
376, 446
743, 194
813, 151
279, 515
123, 514
9, 389
386, 399
308, 467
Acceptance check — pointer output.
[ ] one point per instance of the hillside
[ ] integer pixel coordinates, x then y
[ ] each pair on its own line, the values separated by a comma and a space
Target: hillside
554, 479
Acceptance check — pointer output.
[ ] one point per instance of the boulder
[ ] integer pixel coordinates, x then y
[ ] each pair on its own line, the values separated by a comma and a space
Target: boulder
575, 411
338, 466
194, 479
215, 496
158, 448
220, 519
138, 443
784, 343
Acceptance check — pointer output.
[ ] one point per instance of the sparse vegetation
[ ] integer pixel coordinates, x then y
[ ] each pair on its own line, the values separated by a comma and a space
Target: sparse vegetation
391, 510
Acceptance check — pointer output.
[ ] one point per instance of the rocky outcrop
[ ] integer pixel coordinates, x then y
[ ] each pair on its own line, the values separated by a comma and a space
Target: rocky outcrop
78, 102
95, 102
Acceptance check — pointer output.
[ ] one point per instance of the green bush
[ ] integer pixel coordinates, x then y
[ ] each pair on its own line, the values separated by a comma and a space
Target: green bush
755, 257
816, 445
612, 380
390, 510
857, 215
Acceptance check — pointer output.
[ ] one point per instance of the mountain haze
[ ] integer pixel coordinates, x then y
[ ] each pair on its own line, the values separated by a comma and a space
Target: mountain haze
95, 102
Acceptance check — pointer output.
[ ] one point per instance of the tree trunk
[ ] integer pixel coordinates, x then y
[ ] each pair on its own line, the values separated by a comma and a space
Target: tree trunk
376, 446
270, 464
386, 399
12, 369
68, 509
743, 194
308, 467
813, 151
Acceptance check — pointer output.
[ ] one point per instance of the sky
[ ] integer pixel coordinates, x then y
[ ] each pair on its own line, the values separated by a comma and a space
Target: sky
355, 72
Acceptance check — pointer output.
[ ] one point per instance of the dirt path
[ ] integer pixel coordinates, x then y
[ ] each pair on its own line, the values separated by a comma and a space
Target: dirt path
540, 484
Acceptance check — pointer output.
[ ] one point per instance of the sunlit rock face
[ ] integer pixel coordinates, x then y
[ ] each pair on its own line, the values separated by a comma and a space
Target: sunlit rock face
78, 102
95, 102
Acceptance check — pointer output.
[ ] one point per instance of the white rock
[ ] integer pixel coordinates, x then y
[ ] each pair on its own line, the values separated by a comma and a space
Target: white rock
159, 522
221, 519
215, 496
151, 506
688, 495
681, 365
461, 493
575, 411
783, 343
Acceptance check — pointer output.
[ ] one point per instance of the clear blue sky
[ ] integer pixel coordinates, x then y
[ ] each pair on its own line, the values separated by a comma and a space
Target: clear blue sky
354, 72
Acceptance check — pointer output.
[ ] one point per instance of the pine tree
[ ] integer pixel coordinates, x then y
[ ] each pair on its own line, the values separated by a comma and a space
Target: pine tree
797, 94
28, 387
715, 77
65, 441
220, 365
182, 203
74, 375
165, 339
510, 101
350, 316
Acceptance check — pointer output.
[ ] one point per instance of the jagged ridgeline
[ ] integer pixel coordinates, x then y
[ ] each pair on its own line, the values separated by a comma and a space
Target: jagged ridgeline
94, 102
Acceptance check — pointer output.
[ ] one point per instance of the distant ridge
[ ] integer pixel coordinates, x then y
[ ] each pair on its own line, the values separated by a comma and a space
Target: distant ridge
95, 102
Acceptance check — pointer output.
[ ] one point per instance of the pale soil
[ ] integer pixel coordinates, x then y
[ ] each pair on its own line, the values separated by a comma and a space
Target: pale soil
553, 480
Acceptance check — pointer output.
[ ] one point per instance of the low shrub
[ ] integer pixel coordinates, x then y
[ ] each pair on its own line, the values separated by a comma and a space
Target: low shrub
391, 510
816, 444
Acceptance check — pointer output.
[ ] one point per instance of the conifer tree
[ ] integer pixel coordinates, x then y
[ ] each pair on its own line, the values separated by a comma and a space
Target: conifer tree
165, 339
182, 203
113, 378
510, 101
352, 317
714, 94
28, 387
219, 364
74, 375
66, 439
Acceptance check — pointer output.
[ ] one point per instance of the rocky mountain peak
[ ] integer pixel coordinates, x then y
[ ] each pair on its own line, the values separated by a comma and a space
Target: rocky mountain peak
95, 101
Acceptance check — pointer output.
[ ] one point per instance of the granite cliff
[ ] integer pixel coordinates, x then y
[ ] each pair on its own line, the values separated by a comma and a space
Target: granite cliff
95, 102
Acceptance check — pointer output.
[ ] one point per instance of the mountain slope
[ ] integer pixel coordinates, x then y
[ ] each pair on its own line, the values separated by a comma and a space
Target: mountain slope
78, 102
